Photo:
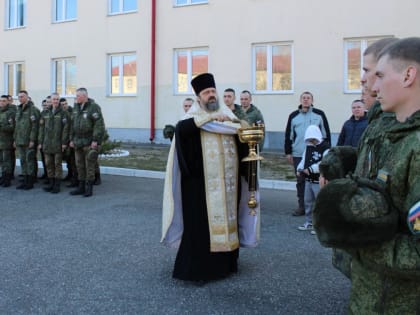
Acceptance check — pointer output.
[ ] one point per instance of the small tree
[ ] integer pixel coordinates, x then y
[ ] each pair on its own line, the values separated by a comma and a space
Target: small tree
107, 146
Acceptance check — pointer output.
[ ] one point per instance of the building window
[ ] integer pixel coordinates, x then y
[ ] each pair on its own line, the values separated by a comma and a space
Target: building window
122, 6
189, 2
273, 68
14, 77
353, 62
16, 13
123, 75
65, 10
188, 64
64, 76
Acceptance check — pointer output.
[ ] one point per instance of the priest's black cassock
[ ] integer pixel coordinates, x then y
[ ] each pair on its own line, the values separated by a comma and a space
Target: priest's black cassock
194, 260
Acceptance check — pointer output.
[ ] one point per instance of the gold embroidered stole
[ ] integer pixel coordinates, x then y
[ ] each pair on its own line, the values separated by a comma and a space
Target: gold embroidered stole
220, 164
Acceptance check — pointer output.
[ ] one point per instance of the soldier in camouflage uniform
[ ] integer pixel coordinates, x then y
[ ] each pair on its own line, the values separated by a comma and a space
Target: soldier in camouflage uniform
229, 100
377, 122
14, 108
54, 130
369, 217
7, 127
252, 113
86, 135
26, 136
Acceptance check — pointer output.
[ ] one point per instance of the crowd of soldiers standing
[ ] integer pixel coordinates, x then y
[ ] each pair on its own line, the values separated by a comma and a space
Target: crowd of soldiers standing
59, 133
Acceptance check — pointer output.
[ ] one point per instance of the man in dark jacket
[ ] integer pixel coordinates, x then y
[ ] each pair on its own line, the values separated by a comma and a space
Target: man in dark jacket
353, 128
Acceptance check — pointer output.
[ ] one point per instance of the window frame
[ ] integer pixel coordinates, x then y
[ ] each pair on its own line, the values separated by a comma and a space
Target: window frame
121, 8
63, 75
15, 90
189, 2
364, 43
121, 70
64, 12
17, 17
269, 50
189, 52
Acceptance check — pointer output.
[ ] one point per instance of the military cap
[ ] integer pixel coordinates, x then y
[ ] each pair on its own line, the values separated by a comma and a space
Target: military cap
338, 162
352, 213
92, 155
168, 131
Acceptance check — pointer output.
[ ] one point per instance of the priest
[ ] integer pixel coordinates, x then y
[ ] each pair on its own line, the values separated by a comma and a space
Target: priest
205, 211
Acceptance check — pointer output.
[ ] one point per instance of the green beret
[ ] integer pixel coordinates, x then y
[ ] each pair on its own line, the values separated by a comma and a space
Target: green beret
352, 213
338, 162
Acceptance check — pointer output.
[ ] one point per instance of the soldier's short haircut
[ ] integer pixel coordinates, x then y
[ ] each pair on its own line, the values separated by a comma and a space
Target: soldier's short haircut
82, 90
246, 92
376, 47
24, 92
189, 99
5, 96
406, 50
230, 90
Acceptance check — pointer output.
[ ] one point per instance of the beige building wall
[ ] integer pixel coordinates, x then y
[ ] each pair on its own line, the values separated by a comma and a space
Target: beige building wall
229, 28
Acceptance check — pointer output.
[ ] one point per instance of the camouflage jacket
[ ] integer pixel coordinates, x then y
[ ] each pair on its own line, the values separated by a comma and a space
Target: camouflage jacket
253, 115
87, 124
27, 123
7, 127
54, 130
239, 112
396, 163
371, 141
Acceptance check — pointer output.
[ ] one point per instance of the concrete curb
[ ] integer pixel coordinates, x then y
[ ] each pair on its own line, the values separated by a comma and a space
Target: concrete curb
264, 183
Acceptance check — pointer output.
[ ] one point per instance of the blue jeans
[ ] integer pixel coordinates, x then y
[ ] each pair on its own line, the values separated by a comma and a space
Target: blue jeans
311, 191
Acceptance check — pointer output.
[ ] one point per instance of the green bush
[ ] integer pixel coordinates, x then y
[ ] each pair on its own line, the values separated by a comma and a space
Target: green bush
107, 146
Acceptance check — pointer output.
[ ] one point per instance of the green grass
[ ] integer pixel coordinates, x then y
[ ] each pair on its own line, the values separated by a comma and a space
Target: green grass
153, 157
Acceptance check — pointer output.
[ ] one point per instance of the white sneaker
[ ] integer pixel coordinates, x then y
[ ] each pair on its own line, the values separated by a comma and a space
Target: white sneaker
313, 232
306, 227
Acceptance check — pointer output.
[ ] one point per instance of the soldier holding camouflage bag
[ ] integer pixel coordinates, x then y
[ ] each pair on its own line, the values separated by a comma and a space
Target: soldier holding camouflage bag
374, 217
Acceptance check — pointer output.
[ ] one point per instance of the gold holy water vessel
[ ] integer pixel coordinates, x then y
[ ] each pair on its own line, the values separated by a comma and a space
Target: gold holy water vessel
252, 135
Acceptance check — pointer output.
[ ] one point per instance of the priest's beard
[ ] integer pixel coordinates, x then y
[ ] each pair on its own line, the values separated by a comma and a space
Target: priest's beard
212, 105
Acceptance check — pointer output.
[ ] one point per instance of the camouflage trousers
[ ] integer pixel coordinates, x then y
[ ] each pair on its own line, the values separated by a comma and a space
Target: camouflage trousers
86, 159
69, 158
6, 160
27, 160
375, 293
53, 165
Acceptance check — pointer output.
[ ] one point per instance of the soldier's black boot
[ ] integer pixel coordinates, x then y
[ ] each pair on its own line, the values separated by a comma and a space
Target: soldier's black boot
80, 190
97, 180
56, 187
50, 185
73, 182
23, 184
2, 178
7, 180
89, 188
30, 182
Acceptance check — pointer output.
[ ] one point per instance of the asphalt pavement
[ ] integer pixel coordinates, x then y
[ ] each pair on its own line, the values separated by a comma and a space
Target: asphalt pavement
63, 254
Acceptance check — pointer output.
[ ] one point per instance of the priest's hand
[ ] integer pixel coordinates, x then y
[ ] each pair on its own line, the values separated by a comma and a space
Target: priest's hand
219, 117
